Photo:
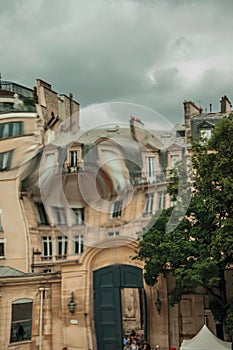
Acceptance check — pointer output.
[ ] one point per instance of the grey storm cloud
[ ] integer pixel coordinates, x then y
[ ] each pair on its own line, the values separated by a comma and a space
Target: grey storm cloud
153, 53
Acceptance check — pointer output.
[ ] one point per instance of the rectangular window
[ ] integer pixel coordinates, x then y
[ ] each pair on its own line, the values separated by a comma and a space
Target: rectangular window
59, 216
161, 200
117, 209
78, 216
150, 169
113, 234
149, 203
74, 158
41, 214
5, 160
2, 248
205, 135
1, 228
11, 129
78, 244
21, 320
61, 247
47, 247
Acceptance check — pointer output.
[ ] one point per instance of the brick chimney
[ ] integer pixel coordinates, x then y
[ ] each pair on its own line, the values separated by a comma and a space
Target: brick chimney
190, 109
225, 105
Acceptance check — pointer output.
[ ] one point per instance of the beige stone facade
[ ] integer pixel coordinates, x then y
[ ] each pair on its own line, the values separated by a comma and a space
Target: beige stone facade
54, 248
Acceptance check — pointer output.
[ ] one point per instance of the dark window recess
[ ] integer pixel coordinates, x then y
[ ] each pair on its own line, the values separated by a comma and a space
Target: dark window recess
2, 249
21, 320
78, 244
42, 215
117, 209
5, 160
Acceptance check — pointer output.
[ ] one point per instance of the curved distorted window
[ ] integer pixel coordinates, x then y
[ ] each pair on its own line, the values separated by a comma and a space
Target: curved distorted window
21, 320
11, 129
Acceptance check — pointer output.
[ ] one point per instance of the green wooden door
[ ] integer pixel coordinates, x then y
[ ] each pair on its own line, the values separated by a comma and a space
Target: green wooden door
108, 282
107, 308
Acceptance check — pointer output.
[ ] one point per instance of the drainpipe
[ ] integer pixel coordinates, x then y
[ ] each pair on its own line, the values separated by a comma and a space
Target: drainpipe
41, 290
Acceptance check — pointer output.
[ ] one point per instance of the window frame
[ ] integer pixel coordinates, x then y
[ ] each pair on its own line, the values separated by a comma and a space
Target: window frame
7, 162
78, 244
113, 234
14, 338
46, 246
116, 209
74, 158
77, 216
42, 215
14, 129
62, 246
151, 169
2, 251
149, 206
60, 217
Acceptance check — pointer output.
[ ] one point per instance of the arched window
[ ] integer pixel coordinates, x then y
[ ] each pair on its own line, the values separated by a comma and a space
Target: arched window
21, 320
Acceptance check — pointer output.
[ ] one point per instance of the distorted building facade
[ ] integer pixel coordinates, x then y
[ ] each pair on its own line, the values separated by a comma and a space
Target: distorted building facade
71, 210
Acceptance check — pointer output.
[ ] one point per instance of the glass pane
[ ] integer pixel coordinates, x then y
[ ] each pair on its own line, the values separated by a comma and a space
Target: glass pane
21, 320
21, 331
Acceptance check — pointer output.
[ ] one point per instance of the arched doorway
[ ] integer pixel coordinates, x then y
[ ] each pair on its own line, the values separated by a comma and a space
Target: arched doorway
119, 304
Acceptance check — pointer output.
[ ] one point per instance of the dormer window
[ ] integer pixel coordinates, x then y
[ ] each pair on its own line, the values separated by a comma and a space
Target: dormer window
205, 129
74, 158
205, 135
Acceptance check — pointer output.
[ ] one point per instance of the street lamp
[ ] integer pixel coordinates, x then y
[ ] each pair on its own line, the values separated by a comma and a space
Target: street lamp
71, 305
34, 252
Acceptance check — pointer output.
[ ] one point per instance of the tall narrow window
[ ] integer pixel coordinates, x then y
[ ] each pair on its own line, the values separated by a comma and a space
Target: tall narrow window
161, 200
150, 169
149, 203
74, 158
78, 244
47, 247
60, 216
21, 320
61, 247
2, 247
5, 160
41, 214
117, 209
78, 216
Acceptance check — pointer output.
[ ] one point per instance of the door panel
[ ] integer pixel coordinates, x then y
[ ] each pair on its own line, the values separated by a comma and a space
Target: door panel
108, 284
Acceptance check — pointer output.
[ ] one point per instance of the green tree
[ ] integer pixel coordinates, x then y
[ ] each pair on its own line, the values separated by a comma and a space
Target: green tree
199, 248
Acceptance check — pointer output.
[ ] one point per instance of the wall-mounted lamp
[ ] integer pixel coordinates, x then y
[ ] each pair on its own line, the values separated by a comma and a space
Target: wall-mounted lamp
71, 305
34, 252
158, 302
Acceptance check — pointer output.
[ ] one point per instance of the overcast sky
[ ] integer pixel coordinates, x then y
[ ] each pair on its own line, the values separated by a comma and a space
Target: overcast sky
155, 53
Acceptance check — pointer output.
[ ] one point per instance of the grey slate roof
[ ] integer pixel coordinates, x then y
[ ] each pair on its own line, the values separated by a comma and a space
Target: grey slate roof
7, 271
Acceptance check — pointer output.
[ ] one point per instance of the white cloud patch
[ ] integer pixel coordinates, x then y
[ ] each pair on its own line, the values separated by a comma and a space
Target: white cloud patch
152, 53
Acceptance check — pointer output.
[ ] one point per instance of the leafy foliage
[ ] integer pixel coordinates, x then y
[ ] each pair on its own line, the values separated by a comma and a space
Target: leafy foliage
200, 247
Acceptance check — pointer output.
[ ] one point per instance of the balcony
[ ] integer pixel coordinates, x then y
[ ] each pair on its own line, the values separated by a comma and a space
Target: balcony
7, 107
139, 179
